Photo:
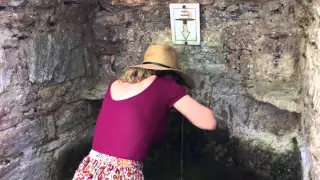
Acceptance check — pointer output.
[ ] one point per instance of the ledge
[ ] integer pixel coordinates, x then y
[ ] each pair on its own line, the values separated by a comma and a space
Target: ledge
285, 99
282, 98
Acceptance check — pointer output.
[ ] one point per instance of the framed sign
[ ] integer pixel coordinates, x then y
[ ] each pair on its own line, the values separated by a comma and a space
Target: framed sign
185, 23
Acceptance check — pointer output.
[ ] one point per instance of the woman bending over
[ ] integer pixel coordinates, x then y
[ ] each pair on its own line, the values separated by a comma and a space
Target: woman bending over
134, 113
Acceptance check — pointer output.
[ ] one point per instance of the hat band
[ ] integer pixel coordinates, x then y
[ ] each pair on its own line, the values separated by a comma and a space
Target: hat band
159, 64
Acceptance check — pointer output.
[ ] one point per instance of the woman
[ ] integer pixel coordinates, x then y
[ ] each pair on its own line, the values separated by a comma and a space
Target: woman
134, 113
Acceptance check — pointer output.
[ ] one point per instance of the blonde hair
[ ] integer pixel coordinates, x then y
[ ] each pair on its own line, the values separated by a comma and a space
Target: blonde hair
136, 74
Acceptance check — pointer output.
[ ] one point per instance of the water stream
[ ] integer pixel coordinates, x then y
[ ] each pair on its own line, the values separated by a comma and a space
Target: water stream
182, 148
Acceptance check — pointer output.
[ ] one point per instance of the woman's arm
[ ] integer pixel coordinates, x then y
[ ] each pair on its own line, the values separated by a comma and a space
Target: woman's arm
199, 115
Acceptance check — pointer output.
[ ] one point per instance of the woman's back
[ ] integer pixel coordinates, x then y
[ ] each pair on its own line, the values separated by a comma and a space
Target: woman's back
134, 113
121, 91
133, 116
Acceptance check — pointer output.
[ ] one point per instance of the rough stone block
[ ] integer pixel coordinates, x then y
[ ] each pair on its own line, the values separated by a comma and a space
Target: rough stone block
32, 169
83, 129
266, 58
109, 50
8, 165
76, 14
109, 19
125, 2
203, 60
8, 122
12, 118
7, 60
161, 37
52, 105
204, 87
268, 118
26, 134
77, 67
251, 120
283, 98
55, 144
73, 93
95, 94
122, 60
4, 110
98, 91
65, 88
51, 127
206, 2
16, 2
42, 3
46, 94
212, 38
56, 56
71, 116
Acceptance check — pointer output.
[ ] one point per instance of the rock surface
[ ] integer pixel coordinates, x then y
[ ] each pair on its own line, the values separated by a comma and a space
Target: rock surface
311, 92
245, 70
257, 69
43, 68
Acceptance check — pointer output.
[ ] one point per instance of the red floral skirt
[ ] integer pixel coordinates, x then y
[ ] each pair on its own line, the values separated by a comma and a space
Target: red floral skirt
97, 166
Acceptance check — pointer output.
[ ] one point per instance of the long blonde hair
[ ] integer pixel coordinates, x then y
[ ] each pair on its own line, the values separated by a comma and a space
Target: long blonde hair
136, 74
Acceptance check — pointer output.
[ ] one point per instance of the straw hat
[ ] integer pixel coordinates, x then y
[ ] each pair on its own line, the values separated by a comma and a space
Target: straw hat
164, 57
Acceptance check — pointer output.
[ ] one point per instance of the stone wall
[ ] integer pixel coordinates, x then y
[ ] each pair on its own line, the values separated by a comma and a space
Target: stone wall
247, 70
46, 58
311, 94
255, 60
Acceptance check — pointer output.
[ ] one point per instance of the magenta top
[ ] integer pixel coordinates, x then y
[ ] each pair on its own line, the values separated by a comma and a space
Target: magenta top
127, 128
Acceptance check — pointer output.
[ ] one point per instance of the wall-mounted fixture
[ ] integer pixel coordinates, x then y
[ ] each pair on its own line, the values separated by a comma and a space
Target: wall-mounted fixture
185, 23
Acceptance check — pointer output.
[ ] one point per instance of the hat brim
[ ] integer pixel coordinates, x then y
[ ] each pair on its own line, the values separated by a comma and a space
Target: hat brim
187, 79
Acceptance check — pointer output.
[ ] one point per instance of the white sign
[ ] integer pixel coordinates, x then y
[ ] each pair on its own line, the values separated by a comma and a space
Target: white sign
185, 23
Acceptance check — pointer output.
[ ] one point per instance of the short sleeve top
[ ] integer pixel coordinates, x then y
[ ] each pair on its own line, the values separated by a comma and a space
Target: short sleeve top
128, 128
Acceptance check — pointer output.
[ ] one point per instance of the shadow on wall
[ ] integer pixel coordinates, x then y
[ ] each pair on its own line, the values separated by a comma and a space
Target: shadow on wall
69, 161
207, 155
216, 155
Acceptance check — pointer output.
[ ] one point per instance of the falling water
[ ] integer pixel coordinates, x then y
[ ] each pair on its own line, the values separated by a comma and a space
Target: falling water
182, 148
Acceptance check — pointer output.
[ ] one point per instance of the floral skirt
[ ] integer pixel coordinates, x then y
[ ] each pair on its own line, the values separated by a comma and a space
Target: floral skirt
97, 166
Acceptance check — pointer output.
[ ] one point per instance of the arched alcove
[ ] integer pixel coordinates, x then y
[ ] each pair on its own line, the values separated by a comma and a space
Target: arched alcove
256, 68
